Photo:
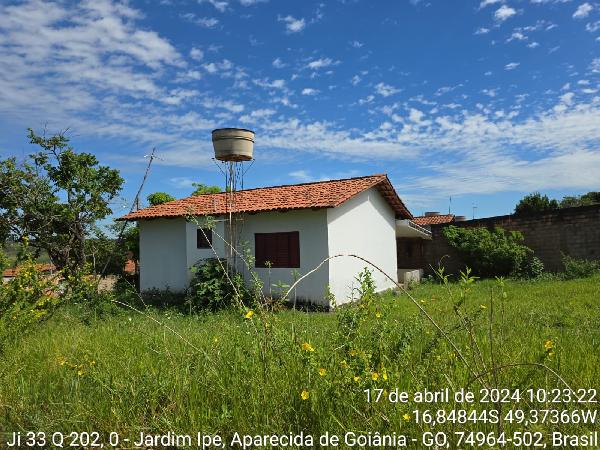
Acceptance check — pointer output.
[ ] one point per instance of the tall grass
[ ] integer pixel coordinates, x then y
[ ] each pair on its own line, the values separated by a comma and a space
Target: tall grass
293, 371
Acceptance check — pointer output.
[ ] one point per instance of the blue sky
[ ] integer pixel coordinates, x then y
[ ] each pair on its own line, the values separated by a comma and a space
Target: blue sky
483, 101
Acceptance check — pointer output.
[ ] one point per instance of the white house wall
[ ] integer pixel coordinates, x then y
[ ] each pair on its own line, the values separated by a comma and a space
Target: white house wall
163, 259
364, 226
312, 228
195, 254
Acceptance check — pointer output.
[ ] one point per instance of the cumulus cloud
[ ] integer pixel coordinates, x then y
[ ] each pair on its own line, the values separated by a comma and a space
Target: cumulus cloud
485, 3
385, 90
512, 66
293, 25
310, 91
503, 13
582, 11
196, 54
320, 63
278, 63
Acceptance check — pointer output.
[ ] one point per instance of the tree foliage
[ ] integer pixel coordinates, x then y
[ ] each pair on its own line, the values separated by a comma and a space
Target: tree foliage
591, 198
205, 189
535, 203
158, 198
54, 198
490, 252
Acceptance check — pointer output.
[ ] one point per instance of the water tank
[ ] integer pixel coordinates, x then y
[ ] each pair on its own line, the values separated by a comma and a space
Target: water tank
460, 218
432, 214
233, 144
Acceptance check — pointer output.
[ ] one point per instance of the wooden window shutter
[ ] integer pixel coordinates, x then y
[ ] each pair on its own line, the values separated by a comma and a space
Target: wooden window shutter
282, 250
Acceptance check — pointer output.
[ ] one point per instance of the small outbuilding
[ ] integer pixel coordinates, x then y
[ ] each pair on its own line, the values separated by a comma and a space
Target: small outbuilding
289, 230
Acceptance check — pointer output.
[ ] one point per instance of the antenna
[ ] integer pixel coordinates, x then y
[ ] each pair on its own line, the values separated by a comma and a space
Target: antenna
450, 206
474, 210
152, 157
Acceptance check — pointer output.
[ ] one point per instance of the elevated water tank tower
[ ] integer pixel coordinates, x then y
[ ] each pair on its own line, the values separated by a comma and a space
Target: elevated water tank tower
233, 144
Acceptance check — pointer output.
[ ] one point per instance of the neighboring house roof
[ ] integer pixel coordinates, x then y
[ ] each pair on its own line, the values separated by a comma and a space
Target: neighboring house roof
322, 194
433, 220
129, 267
12, 272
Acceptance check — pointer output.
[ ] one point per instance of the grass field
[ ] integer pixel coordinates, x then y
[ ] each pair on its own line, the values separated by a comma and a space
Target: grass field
294, 371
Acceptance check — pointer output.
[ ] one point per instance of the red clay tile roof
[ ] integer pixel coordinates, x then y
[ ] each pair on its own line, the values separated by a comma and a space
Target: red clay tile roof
322, 194
431, 220
9, 273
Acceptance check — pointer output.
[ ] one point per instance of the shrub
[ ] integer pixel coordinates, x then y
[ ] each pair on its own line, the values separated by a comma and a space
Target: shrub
579, 268
212, 288
532, 268
30, 297
489, 252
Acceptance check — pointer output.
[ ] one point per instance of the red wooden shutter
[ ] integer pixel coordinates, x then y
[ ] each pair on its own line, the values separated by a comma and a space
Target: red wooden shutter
282, 250
294, 249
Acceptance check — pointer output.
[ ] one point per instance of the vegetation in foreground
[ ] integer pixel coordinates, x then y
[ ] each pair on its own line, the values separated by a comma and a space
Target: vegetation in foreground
255, 371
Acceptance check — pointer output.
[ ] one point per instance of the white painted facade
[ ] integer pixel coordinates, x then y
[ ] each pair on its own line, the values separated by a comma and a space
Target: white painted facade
364, 225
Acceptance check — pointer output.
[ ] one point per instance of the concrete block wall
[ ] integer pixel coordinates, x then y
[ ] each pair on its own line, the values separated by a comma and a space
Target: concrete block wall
572, 231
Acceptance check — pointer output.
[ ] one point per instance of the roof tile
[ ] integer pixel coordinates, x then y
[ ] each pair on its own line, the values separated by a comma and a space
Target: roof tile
322, 194
432, 220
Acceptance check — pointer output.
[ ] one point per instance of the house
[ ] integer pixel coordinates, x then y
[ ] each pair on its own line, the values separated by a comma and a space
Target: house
289, 230
10, 273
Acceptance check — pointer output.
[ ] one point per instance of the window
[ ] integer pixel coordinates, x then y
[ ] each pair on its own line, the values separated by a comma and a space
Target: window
280, 249
203, 237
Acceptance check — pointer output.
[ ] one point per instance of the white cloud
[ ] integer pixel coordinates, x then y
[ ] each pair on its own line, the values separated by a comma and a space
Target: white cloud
205, 22
355, 80
582, 11
356, 44
385, 90
533, 44
512, 66
251, 2
293, 25
269, 84
592, 27
310, 91
278, 63
503, 13
485, 3
595, 65
517, 36
482, 30
320, 63
220, 5
196, 54
256, 115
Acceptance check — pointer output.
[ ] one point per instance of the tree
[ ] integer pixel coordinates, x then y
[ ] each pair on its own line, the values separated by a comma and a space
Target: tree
158, 198
535, 203
54, 198
591, 198
205, 189
489, 252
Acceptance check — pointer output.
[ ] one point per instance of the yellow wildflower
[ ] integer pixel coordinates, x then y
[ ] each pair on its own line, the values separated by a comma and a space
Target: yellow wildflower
304, 395
357, 378
375, 376
385, 375
353, 352
80, 373
322, 371
92, 363
483, 306
548, 345
344, 364
249, 314
307, 347
406, 417
378, 314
